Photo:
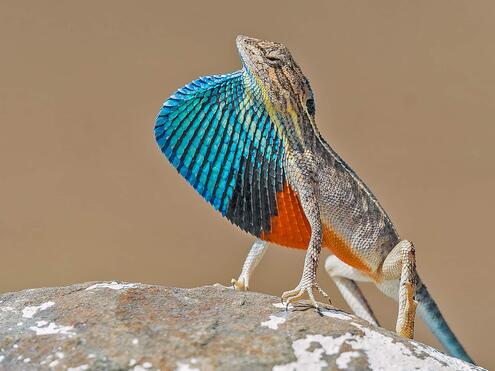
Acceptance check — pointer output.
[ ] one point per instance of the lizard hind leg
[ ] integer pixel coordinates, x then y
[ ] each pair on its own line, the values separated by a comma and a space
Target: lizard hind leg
400, 267
252, 260
344, 276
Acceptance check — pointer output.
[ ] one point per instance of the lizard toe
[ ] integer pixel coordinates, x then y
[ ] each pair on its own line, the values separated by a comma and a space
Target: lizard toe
296, 294
239, 284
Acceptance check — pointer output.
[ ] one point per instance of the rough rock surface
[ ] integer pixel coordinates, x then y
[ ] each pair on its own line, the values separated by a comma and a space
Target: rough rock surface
127, 326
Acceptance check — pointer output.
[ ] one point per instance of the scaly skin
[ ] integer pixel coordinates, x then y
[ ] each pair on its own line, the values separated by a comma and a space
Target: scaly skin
342, 213
248, 142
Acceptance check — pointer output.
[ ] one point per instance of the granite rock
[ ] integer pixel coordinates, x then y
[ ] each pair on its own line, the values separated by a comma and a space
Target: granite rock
131, 326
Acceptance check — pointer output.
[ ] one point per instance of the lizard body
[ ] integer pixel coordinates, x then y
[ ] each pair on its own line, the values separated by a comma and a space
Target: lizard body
248, 143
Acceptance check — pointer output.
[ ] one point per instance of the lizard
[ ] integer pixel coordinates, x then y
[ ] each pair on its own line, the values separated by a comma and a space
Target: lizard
248, 143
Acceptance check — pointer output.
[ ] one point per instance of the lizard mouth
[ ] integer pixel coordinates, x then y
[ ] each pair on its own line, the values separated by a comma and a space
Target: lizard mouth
253, 49
248, 50
246, 45
242, 41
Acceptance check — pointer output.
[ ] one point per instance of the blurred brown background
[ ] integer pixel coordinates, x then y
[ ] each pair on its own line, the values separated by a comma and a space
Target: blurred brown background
405, 92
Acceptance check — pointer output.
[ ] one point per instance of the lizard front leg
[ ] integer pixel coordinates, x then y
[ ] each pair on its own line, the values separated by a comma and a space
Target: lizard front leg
252, 260
308, 279
308, 198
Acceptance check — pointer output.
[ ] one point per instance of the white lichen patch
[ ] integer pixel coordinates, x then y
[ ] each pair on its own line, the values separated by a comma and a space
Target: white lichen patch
277, 319
6, 309
332, 313
52, 329
146, 366
47, 359
346, 358
381, 351
274, 321
283, 306
187, 365
378, 351
78, 368
312, 360
111, 285
54, 363
30, 311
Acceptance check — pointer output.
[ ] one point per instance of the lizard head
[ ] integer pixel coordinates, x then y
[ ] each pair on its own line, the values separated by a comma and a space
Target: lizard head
271, 66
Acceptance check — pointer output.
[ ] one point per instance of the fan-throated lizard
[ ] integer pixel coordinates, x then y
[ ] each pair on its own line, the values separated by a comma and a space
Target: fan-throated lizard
247, 141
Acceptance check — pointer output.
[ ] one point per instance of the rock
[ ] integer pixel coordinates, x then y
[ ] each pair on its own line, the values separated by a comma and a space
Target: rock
129, 326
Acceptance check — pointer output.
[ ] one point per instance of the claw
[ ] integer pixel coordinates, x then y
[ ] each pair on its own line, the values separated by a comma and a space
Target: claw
323, 293
293, 295
301, 289
313, 300
239, 284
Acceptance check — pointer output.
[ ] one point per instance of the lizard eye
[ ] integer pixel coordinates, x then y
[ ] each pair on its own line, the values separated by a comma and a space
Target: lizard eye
310, 106
273, 57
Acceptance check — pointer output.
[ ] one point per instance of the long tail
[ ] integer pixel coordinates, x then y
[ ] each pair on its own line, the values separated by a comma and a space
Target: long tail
429, 312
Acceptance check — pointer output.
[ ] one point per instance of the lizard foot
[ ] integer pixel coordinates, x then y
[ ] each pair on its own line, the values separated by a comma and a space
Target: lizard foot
239, 284
301, 289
